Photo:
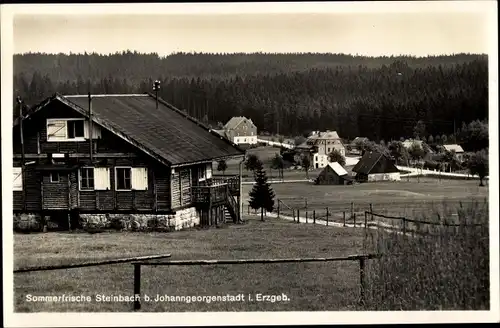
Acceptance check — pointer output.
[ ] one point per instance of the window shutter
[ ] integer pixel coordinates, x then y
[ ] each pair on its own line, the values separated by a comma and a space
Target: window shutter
209, 171
101, 178
56, 130
18, 179
96, 130
140, 178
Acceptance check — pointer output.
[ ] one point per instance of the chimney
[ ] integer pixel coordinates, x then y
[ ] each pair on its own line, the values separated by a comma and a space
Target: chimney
156, 87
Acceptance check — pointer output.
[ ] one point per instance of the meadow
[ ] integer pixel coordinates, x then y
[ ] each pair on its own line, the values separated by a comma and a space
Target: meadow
310, 286
412, 197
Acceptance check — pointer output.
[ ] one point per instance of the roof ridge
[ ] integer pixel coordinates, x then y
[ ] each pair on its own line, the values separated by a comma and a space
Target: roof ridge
108, 95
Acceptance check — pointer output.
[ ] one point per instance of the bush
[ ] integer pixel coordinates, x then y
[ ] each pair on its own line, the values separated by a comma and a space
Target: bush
448, 271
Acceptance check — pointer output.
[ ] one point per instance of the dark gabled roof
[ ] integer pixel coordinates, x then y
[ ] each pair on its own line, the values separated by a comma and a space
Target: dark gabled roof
166, 133
370, 160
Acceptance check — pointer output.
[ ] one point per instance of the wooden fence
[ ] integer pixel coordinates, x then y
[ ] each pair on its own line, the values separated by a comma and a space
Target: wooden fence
361, 258
353, 217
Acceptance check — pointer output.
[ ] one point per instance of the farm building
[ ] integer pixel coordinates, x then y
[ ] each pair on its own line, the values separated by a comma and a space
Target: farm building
374, 166
459, 151
240, 130
128, 157
333, 174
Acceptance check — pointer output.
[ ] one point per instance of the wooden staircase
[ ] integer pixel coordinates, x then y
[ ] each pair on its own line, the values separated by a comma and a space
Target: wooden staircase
231, 208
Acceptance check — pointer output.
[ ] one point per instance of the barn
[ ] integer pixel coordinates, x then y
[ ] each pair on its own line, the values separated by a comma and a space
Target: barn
333, 174
375, 166
132, 160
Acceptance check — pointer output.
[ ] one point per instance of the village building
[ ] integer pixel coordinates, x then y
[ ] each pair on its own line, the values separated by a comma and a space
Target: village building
132, 158
333, 174
319, 145
240, 130
408, 143
459, 151
375, 166
354, 145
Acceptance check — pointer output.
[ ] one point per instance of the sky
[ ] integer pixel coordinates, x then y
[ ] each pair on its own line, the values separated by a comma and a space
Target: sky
373, 34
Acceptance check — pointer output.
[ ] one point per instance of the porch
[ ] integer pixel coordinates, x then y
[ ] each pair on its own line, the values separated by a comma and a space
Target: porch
218, 193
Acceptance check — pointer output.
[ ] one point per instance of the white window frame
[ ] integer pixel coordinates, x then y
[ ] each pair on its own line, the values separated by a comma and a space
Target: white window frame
116, 177
66, 120
19, 171
80, 178
51, 176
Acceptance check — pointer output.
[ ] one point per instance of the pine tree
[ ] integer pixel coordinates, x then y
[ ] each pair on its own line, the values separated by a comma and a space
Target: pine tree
261, 195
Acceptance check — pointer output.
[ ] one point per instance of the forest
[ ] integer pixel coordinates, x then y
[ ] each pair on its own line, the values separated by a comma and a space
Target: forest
379, 98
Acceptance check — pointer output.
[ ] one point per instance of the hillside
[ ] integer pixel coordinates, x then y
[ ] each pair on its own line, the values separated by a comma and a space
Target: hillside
378, 98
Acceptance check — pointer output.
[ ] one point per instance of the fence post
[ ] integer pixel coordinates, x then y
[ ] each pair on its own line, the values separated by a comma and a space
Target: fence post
306, 209
362, 279
314, 216
248, 209
278, 208
404, 227
366, 219
298, 216
352, 209
371, 210
327, 216
137, 286
306, 216
343, 215
354, 220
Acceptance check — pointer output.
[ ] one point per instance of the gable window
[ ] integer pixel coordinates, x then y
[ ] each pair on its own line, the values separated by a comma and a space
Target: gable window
123, 176
18, 179
87, 178
70, 129
54, 177
75, 129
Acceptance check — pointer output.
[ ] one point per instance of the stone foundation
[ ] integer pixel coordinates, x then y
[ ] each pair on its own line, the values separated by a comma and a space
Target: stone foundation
183, 219
27, 222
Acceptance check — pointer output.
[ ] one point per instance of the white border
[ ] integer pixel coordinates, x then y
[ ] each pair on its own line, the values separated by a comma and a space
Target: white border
488, 8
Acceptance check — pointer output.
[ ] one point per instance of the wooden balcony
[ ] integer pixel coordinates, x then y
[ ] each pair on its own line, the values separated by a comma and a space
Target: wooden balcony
233, 182
211, 194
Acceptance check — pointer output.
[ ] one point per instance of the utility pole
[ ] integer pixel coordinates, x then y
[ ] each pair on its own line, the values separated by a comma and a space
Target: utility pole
23, 160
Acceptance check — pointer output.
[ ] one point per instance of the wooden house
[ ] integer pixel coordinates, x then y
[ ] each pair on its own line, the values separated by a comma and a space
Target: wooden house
129, 157
333, 174
375, 166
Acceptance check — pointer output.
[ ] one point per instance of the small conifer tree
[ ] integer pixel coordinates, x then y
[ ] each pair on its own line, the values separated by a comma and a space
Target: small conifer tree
261, 195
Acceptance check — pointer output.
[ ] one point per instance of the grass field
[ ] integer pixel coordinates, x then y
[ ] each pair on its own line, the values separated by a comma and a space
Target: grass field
266, 154
310, 286
404, 197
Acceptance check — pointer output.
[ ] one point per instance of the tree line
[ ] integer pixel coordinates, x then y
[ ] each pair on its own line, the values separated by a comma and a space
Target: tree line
289, 94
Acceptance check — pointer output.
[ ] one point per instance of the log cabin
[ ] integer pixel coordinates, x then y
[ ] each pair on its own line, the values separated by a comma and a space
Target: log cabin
134, 159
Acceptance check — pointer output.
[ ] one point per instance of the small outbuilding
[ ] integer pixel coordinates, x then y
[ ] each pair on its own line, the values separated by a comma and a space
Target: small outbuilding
375, 166
333, 174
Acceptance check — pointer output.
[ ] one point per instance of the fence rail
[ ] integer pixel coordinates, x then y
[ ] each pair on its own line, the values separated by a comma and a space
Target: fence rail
361, 258
92, 263
352, 216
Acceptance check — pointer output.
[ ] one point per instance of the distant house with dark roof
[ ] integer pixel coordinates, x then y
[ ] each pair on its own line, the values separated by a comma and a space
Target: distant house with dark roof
120, 157
333, 174
374, 166
240, 130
